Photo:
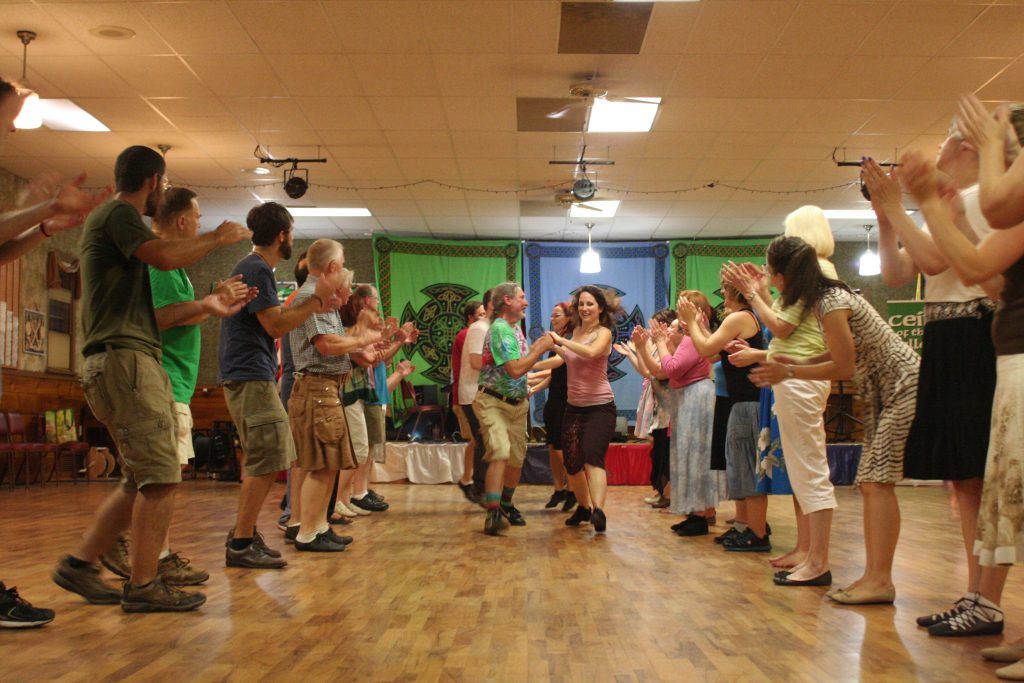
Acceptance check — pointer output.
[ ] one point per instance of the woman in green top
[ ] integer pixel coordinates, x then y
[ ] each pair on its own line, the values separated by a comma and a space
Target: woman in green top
800, 407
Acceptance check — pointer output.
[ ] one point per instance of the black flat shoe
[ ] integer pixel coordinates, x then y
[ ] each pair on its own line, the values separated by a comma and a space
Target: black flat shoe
556, 498
570, 502
599, 521
581, 515
823, 580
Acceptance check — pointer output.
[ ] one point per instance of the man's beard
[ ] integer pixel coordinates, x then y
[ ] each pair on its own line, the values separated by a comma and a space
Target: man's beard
285, 250
152, 202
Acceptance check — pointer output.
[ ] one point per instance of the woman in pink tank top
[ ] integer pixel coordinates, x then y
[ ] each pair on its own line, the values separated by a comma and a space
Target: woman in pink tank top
590, 414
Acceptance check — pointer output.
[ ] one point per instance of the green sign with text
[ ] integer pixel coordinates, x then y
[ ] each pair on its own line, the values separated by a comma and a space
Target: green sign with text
907, 319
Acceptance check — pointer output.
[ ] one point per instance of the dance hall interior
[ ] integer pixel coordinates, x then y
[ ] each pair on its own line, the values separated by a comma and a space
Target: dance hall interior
511, 340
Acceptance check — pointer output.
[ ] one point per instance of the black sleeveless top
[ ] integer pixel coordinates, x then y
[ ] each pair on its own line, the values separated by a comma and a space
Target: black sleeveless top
558, 389
737, 380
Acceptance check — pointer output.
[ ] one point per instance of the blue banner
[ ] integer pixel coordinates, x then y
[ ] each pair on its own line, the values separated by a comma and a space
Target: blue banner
636, 271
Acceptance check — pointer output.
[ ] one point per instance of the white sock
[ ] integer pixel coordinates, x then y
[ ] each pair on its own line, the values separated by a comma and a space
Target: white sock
305, 538
990, 611
324, 528
292, 526
360, 496
739, 526
164, 553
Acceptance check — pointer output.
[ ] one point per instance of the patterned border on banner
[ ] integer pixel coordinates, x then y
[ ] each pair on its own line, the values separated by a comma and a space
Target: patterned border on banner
384, 247
533, 252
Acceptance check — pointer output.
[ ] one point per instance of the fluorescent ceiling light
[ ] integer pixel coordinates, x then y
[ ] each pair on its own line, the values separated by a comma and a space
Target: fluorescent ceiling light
322, 211
852, 214
30, 115
61, 114
605, 209
635, 115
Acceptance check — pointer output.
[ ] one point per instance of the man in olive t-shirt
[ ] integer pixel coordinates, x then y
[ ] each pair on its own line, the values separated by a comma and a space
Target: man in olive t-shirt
126, 387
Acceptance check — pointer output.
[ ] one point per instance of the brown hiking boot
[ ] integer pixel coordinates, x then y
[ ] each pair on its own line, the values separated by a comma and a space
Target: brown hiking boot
176, 571
252, 556
86, 582
118, 558
157, 596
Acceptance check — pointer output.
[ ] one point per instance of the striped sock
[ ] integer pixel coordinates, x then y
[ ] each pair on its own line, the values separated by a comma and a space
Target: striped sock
506, 496
492, 500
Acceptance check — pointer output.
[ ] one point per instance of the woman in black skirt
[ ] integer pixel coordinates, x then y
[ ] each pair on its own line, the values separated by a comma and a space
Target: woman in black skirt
950, 432
554, 379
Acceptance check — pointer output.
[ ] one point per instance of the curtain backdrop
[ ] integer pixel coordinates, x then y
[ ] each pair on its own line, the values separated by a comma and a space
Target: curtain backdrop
637, 271
427, 281
696, 263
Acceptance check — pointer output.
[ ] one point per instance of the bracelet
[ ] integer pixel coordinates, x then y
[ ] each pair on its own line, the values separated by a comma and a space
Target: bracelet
42, 229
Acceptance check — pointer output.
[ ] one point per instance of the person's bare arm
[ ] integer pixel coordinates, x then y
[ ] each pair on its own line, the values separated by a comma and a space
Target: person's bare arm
1000, 189
601, 345
340, 344
172, 254
840, 366
518, 367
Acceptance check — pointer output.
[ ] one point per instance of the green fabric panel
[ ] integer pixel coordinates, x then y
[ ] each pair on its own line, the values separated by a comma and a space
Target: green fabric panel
426, 281
697, 263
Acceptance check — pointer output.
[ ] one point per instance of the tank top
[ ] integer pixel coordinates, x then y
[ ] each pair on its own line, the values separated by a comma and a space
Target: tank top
1008, 326
559, 386
588, 380
737, 380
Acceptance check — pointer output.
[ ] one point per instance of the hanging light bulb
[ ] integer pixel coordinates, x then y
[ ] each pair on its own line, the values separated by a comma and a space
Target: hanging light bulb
590, 261
870, 263
31, 115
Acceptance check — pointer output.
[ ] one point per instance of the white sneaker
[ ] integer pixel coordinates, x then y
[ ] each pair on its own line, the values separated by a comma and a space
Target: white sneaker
651, 500
343, 510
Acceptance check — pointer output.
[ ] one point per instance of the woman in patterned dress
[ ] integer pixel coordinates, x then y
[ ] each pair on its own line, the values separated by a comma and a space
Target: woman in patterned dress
863, 347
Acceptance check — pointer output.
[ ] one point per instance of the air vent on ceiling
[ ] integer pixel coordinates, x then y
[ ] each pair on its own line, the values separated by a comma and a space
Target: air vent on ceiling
603, 28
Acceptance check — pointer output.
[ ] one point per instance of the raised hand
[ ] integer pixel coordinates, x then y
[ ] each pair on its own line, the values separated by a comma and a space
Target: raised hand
659, 331
686, 310
40, 189
739, 277
231, 290
918, 175
544, 343
230, 232
978, 126
405, 368
883, 188
72, 199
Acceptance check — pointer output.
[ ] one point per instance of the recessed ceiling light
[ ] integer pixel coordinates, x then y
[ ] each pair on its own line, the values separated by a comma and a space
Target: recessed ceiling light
259, 170
852, 214
326, 211
112, 32
630, 115
605, 209
61, 114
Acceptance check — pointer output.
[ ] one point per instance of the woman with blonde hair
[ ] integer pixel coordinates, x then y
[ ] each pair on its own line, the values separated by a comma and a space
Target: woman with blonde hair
810, 224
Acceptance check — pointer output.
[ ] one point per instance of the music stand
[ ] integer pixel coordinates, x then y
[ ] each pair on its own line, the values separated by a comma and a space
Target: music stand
845, 421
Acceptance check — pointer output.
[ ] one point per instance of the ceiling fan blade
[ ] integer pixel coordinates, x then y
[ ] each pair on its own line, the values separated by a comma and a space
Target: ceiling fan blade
558, 114
589, 208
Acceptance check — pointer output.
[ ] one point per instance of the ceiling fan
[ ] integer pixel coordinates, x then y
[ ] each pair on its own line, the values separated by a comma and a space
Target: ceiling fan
586, 92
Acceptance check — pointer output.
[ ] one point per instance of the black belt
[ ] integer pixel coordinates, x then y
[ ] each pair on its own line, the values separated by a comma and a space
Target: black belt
93, 349
501, 397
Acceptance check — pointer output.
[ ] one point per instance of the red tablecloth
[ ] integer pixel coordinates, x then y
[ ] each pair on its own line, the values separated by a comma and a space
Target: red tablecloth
628, 464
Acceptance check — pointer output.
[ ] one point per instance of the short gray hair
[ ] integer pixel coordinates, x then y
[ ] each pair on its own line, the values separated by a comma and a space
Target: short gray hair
322, 252
498, 294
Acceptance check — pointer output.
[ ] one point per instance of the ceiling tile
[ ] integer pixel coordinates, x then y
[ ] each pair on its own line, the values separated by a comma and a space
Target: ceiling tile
78, 18
666, 169
409, 113
445, 24
221, 144
834, 116
932, 26
355, 143
484, 74
421, 144
197, 113
378, 26
421, 169
909, 116
710, 170
793, 76
484, 172
944, 78
674, 145
700, 115
338, 113
78, 76
237, 75
328, 75
260, 114
1007, 86
395, 75
730, 27
157, 76
828, 28
125, 114
535, 26
211, 28
714, 75
493, 208
996, 33
291, 27
872, 77
358, 169
52, 37
413, 225
669, 27
480, 113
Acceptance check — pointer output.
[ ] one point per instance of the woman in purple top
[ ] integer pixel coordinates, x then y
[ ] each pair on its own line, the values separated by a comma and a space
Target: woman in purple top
589, 420
696, 488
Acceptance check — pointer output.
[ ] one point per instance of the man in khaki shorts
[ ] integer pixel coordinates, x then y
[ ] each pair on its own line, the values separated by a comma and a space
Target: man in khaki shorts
126, 387
320, 351
501, 404
178, 316
248, 371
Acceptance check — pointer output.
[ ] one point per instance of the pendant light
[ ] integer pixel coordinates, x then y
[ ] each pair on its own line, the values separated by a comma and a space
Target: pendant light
31, 115
590, 261
870, 264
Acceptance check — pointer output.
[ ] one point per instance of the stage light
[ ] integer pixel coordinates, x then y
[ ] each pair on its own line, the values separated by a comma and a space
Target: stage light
870, 263
295, 187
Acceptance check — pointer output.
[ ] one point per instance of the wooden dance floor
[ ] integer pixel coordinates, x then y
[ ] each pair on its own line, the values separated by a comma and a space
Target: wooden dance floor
423, 595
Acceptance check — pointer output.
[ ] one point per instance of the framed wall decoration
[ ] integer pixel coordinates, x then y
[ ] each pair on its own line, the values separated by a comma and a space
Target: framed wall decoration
34, 332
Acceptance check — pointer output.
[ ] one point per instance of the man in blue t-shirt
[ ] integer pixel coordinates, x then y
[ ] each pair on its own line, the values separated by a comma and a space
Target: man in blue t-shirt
248, 371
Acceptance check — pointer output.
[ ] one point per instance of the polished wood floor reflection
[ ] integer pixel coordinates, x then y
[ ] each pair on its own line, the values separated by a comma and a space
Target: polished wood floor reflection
423, 595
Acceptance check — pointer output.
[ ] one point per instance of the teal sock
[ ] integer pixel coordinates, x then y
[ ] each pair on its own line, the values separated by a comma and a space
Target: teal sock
492, 500
506, 496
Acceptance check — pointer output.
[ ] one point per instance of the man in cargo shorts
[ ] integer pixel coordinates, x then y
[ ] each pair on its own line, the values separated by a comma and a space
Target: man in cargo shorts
248, 371
126, 387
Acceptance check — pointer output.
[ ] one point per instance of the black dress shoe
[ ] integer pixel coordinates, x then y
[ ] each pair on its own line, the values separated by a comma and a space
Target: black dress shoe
290, 534
513, 515
340, 540
373, 494
369, 504
570, 501
599, 521
823, 580
321, 544
556, 498
581, 515
695, 525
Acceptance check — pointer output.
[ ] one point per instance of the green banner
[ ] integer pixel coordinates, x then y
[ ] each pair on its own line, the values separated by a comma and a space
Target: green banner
906, 318
696, 263
426, 281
